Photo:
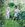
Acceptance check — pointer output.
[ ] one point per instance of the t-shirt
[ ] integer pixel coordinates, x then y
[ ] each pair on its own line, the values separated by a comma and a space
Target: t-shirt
17, 11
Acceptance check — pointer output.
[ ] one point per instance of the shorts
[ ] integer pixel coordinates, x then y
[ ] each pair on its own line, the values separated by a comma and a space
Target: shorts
15, 15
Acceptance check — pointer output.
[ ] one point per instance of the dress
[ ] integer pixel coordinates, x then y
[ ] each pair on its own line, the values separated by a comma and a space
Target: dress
7, 13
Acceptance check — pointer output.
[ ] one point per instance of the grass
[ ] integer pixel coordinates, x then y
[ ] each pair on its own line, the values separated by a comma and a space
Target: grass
11, 23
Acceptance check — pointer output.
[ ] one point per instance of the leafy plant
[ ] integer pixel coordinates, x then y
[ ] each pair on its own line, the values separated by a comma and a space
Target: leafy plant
11, 4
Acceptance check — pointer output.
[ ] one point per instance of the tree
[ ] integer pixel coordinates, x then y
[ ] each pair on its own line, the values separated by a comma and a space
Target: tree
11, 4
2, 8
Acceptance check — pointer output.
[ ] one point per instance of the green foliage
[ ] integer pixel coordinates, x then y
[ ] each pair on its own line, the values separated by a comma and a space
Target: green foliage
2, 15
23, 15
1, 3
11, 4
20, 6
